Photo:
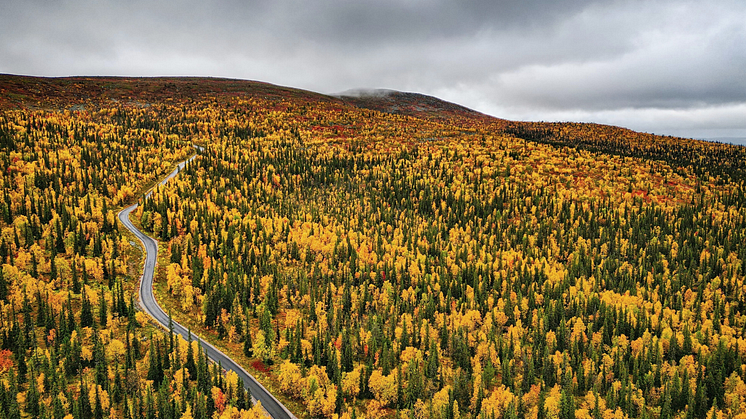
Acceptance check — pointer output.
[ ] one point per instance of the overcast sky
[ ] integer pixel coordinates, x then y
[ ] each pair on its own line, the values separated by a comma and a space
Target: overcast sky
668, 67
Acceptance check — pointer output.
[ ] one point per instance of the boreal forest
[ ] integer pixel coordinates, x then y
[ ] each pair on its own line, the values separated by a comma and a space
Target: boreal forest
364, 257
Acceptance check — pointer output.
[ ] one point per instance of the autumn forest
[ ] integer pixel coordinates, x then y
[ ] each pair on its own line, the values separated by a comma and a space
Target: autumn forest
396, 257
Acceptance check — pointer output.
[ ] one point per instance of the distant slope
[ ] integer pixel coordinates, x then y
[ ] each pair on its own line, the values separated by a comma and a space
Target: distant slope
66, 92
406, 103
704, 158
74, 93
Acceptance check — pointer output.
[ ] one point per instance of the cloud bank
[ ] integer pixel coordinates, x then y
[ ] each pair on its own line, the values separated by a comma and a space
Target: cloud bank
669, 67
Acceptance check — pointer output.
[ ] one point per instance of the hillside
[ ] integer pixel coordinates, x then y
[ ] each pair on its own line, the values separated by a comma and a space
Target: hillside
387, 255
411, 104
75, 93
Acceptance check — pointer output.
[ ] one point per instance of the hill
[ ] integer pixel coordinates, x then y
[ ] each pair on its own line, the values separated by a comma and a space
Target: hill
73, 92
380, 256
721, 159
724, 160
411, 104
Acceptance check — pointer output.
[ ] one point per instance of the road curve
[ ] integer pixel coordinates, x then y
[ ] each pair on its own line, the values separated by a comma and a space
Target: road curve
148, 303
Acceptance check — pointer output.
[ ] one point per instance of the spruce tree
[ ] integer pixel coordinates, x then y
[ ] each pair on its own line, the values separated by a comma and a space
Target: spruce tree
86, 312
567, 404
59, 239
170, 332
567, 398
116, 391
155, 369
240, 394
53, 267
102, 309
33, 398
203, 372
71, 325
347, 356
190, 365
433, 363
248, 345
131, 320
3, 286
75, 279
58, 410
150, 407
99, 358
84, 405
596, 408
666, 411
98, 410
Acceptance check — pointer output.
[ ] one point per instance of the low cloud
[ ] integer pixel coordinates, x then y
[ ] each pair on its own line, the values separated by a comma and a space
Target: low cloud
665, 66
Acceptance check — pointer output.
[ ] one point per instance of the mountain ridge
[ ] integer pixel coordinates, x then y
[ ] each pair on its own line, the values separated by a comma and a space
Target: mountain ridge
76, 92
407, 103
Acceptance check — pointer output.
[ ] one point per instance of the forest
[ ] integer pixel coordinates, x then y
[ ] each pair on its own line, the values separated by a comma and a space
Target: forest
365, 263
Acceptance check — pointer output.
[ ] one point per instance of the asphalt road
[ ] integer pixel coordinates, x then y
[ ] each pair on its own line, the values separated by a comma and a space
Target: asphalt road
148, 303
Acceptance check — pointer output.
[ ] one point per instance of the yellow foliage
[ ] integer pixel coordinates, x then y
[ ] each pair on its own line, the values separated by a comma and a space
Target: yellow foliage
173, 278
103, 396
440, 399
115, 349
497, 402
383, 387
179, 376
552, 402
187, 413
351, 382
291, 380
40, 383
231, 412
409, 353
141, 318
261, 348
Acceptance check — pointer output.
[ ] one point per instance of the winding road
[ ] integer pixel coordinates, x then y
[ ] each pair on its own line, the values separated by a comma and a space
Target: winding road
148, 303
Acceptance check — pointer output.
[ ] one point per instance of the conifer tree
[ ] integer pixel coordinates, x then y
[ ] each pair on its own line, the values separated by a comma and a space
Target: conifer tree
190, 365
347, 356
58, 237
567, 398
98, 411
248, 345
3, 286
86, 311
75, 280
155, 366
102, 309
52, 267
99, 358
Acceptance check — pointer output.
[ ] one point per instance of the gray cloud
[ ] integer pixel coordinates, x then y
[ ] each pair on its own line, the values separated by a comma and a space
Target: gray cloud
665, 66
